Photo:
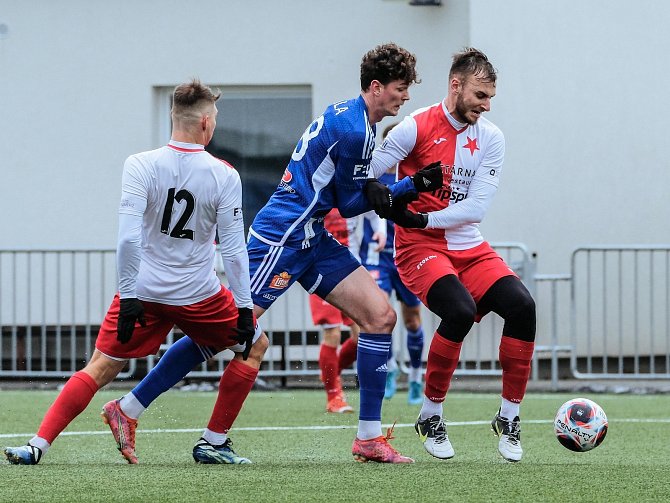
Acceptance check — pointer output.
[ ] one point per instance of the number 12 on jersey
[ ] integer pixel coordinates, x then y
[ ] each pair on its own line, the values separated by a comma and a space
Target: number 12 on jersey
178, 231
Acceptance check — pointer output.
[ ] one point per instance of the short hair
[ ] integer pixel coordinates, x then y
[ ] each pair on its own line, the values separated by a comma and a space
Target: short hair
471, 61
386, 63
191, 99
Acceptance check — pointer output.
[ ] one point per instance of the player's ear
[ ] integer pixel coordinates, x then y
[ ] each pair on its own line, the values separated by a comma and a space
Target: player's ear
203, 122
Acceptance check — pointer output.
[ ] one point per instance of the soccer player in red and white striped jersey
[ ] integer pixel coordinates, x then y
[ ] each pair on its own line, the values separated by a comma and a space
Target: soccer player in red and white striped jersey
441, 254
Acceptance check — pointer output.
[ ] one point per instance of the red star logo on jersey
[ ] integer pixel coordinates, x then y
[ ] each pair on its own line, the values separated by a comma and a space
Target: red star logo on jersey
471, 144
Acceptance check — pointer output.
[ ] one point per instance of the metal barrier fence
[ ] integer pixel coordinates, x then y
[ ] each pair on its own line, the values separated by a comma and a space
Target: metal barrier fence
609, 316
620, 307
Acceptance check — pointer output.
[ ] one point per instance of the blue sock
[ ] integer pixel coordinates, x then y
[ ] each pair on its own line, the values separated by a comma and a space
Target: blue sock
173, 366
415, 346
373, 353
391, 349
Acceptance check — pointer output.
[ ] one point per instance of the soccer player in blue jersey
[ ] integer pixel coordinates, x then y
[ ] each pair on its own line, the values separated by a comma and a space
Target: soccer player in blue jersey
287, 243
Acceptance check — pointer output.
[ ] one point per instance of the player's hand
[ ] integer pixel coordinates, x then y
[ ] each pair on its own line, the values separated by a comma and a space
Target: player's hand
379, 197
131, 310
404, 217
428, 178
244, 333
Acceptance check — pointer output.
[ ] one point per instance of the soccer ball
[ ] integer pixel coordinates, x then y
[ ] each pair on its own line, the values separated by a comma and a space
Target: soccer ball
580, 425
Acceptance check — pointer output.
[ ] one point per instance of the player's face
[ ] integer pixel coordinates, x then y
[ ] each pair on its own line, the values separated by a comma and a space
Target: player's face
393, 96
473, 98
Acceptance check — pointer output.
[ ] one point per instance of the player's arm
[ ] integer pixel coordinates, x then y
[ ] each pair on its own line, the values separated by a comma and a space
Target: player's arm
230, 227
129, 243
473, 207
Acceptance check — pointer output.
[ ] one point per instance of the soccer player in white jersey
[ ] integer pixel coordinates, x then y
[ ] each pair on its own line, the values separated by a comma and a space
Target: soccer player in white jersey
173, 200
443, 258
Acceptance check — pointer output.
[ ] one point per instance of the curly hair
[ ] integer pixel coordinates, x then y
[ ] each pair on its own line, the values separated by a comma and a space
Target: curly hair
386, 63
471, 61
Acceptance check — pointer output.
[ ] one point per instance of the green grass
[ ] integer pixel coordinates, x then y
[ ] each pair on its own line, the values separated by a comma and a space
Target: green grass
300, 465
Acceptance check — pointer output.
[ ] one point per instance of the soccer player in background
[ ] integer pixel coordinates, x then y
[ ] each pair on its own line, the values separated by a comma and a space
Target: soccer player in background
173, 200
330, 320
329, 168
441, 254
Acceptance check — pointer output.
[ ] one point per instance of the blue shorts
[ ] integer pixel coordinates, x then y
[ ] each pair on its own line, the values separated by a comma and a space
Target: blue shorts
389, 281
318, 269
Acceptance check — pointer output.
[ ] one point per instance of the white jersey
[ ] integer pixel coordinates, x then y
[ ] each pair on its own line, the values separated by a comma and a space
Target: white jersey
173, 199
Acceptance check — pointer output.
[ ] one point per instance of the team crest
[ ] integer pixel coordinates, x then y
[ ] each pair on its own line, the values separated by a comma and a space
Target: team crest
280, 281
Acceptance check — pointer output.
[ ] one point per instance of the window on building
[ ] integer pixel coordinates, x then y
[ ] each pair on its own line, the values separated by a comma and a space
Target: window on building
257, 129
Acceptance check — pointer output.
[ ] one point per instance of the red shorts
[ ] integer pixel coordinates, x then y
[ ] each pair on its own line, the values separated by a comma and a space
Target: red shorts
209, 322
477, 268
327, 315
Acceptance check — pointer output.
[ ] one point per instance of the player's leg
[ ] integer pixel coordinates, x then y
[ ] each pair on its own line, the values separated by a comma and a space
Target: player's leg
349, 348
510, 299
410, 307
449, 299
71, 401
360, 298
212, 323
329, 318
412, 319
214, 446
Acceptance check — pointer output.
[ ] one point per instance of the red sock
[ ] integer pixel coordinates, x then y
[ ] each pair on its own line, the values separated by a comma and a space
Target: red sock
329, 370
442, 361
347, 355
515, 357
234, 387
71, 401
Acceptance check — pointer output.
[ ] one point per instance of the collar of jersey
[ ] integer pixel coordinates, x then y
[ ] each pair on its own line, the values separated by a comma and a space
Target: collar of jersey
458, 126
185, 147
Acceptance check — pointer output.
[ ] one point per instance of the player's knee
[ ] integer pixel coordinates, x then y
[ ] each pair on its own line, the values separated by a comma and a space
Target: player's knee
381, 321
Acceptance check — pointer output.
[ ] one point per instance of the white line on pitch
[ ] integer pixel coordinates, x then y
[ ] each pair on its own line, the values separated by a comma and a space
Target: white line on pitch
328, 427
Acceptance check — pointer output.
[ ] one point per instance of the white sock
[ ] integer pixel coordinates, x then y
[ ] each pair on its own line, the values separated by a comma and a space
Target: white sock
509, 410
414, 374
430, 409
213, 437
369, 429
40, 443
131, 406
391, 364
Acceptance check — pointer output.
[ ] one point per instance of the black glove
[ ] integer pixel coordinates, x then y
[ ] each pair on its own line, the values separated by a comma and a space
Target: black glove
428, 178
379, 197
130, 311
244, 333
406, 218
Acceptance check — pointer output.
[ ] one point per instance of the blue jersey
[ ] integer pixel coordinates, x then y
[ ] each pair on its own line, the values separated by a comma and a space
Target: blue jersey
328, 169
369, 255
